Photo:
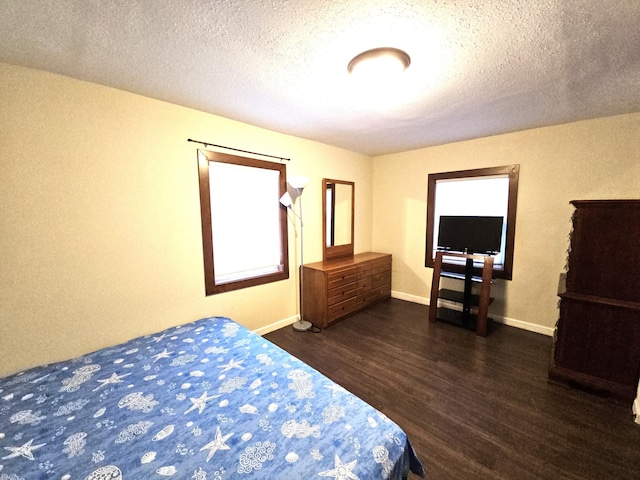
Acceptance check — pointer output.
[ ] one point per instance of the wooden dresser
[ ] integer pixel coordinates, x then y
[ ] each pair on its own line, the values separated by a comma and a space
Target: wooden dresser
334, 289
598, 334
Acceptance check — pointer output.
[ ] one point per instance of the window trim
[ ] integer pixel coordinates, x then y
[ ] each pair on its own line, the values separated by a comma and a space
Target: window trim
204, 158
513, 171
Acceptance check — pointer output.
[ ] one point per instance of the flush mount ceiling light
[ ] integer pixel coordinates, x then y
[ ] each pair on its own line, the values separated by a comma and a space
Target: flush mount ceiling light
385, 61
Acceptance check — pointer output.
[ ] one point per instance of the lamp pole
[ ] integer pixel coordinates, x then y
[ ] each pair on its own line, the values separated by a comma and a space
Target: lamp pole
301, 258
298, 185
301, 325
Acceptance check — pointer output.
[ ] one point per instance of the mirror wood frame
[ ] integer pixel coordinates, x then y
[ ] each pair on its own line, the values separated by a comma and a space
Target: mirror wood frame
336, 251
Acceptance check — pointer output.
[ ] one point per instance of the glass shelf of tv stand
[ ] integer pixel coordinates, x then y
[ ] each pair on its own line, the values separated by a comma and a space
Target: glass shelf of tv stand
464, 318
460, 276
458, 297
457, 316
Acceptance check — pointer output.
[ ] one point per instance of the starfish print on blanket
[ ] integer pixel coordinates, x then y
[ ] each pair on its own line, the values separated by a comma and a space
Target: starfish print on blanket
163, 354
25, 450
232, 364
341, 471
335, 389
159, 338
217, 444
200, 403
114, 378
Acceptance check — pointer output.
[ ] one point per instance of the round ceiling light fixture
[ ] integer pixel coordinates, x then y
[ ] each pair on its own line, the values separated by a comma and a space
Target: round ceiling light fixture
384, 61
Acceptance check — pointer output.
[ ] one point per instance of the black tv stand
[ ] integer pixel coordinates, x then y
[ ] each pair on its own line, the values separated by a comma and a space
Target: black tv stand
465, 318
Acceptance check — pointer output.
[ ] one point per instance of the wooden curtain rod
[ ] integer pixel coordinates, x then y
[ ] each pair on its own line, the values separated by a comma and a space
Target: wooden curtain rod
207, 144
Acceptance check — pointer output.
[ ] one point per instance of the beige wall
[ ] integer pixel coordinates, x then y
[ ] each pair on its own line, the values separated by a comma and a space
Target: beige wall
100, 235
100, 227
595, 159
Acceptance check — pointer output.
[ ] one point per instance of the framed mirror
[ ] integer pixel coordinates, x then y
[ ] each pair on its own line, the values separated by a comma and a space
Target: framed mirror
338, 198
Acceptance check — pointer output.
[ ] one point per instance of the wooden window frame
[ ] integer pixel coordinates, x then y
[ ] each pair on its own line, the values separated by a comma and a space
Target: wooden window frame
211, 288
513, 172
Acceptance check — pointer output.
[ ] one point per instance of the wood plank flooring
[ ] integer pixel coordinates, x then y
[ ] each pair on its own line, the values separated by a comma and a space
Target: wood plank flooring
473, 407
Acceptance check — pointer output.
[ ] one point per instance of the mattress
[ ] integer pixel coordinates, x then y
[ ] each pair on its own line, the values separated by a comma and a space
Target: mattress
209, 400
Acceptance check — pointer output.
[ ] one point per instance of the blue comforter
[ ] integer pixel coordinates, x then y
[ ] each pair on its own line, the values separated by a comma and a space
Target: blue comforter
205, 401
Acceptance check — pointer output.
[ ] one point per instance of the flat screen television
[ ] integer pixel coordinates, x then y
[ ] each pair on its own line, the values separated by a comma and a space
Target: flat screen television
470, 234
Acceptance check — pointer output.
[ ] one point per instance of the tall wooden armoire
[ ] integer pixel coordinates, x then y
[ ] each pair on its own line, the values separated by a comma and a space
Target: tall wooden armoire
597, 341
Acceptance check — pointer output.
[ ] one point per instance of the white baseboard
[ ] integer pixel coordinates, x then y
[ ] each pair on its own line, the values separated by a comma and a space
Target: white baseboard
531, 327
512, 322
410, 298
276, 325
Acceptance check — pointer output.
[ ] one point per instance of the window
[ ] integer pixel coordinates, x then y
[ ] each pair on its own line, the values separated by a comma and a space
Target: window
480, 192
244, 226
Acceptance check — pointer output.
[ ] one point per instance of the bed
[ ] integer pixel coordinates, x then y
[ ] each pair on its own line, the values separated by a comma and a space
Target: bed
209, 400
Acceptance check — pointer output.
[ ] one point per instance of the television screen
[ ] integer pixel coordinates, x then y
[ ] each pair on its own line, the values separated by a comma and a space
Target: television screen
470, 234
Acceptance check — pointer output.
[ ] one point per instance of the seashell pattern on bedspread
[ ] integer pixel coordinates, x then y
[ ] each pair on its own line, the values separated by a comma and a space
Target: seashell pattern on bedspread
207, 400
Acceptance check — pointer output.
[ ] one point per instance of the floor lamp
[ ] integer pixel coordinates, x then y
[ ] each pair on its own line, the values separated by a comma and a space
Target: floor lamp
298, 184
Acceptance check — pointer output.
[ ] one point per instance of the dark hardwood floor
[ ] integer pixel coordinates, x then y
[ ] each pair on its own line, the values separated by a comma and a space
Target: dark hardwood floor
473, 407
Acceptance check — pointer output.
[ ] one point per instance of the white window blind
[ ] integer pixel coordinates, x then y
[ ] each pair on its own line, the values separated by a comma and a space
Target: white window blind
245, 224
480, 196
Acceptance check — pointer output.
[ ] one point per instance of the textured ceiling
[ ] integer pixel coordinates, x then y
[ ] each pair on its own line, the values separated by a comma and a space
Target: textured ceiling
478, 67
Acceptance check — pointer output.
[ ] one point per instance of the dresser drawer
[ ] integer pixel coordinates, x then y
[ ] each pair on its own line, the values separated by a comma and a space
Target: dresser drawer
342, 277
336, 288
379, 266
380, 279
364, 270
341, 309
383, 291
342, 293
378, 293
364, 285
365, 299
